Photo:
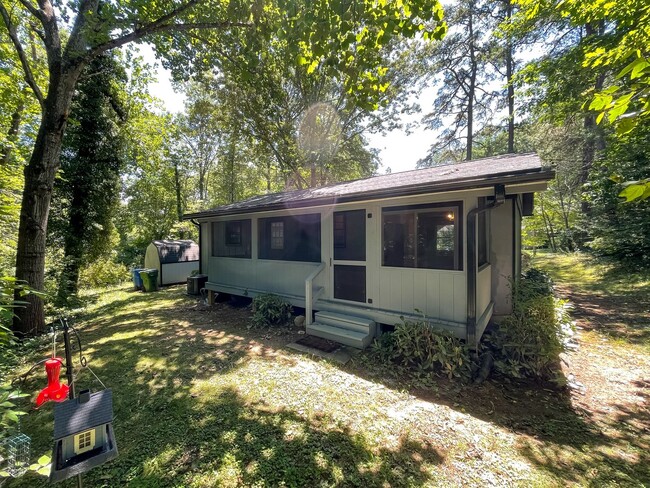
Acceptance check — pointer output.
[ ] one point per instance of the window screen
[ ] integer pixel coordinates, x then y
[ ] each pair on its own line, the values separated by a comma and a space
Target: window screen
277, 235
350, 235
350, 283
482, 235
291, 238
231, 239
422, 236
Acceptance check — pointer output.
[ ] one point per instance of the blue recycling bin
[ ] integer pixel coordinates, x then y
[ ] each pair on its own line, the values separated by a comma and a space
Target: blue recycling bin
137, 280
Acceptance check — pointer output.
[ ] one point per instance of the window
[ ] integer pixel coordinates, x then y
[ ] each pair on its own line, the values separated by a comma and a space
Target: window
231, 239
350, 235
423, 236
482, 235
277, 235
291, 238
84, 442
233, 233
339, 229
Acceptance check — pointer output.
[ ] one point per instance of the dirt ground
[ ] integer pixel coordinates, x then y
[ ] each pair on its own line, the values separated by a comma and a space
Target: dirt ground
595, 431
203, 399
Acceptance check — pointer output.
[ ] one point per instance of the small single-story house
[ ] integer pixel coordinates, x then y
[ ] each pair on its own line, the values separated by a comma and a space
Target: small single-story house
440, 243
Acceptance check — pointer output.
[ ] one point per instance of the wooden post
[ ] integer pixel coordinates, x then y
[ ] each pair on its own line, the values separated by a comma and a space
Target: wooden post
69, 370
211, 297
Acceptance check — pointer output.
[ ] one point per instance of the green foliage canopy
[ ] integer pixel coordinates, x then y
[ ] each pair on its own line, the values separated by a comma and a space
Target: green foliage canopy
624, 48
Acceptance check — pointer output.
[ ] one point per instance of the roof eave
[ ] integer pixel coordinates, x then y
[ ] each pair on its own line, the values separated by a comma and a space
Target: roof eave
526, 176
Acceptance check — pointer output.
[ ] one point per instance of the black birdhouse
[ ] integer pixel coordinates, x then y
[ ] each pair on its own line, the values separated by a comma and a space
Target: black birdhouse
83, 434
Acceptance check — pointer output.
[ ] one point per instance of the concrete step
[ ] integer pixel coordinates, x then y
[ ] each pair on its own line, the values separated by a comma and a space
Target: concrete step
353, 338
359, 324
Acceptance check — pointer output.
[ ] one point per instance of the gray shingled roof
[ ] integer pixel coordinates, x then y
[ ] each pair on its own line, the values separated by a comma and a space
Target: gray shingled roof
177, 251
472, 174
72, 417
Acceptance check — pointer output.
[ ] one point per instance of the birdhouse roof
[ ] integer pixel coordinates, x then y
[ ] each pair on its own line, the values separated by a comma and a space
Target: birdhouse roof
72, 417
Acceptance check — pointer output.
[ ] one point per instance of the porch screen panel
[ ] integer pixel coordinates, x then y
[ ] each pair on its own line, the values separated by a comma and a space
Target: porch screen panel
231, 239
482, 234
350, 235
350, 283
290, 238
423, 236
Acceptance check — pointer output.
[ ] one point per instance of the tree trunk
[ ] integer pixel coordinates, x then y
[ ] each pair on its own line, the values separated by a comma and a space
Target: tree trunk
509, 80
201, 185
177, 184
593, 137
39, 180
472, 85
73, 246
232, 184
12, 133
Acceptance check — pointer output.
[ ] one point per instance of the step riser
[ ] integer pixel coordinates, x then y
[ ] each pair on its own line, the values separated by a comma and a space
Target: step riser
348, 341
348, 319
346, 325
360, 324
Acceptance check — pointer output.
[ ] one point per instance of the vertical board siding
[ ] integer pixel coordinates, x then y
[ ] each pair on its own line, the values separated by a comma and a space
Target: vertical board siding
408, 304
483, 290
281, 277
460, 299
501, 252
432, 295
232, 271
438, 294
178, 272
420, 289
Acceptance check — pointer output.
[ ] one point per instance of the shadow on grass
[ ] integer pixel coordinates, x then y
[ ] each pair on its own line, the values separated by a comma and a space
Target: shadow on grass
613, 450
608, 298
169, 435
228, 442
575, 446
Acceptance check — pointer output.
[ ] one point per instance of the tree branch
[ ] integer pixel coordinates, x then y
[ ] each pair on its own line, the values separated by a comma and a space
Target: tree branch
75, 41
32, 9
29, 75
162, 25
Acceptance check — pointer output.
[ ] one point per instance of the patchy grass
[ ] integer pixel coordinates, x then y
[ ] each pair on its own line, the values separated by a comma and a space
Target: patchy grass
201, 400
611, 300
588, 274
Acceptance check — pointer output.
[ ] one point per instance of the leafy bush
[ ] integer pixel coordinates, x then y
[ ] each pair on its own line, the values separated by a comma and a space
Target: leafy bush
270, 309
621, 229
420, 347
527, 342
103, 272
536, 281
9, 412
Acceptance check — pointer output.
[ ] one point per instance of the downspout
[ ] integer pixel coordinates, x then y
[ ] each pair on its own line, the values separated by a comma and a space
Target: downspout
200, 244
472, 261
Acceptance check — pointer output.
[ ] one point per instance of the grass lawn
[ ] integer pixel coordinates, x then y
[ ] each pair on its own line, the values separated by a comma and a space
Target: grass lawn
201, 400
612, 301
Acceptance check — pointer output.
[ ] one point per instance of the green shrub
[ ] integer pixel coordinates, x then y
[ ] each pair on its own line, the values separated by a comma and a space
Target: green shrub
9, 412
270, 309
423, 349
103, 272
528, 342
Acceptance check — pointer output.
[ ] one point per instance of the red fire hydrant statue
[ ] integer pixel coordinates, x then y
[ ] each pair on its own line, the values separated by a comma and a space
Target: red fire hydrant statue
54, 390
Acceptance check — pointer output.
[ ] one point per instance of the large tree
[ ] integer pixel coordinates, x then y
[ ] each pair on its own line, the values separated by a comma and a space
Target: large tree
462, 69
340, 33
87, 192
